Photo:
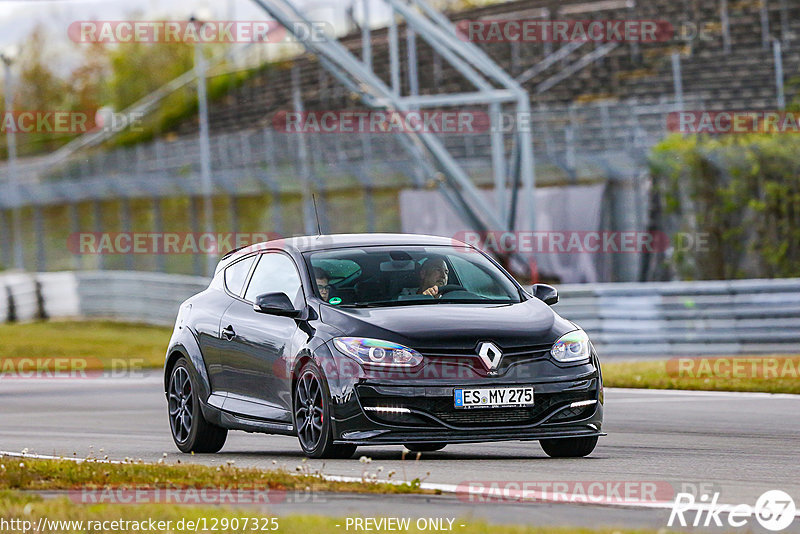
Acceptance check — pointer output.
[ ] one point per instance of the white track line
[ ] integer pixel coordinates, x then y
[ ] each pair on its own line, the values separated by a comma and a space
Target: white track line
702, 393
483, 493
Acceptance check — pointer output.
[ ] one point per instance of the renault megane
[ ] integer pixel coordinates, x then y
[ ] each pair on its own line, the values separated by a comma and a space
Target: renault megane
374, 339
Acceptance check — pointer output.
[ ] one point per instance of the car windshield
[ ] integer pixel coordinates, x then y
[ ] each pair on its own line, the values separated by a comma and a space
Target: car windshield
408, 275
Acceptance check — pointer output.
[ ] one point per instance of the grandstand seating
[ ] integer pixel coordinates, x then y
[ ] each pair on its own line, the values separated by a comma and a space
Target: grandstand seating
742, 77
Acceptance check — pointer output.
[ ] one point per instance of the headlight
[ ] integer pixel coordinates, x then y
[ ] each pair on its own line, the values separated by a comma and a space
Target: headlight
378, 352
571, 347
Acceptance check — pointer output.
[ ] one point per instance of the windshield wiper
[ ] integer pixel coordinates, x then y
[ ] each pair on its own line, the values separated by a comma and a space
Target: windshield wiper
413, 302
381, 304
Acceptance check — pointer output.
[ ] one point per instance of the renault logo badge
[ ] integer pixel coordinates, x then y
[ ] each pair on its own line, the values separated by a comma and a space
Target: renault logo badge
490, 355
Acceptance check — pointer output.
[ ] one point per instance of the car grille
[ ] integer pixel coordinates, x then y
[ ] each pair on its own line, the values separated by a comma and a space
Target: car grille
488, 416
442, 408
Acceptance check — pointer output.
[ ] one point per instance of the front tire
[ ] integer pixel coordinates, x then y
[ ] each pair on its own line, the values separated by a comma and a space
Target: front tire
312, 417
568, 447
190, 430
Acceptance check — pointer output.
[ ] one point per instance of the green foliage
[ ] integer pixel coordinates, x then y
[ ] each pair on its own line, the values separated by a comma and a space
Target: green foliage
139, 68
115, 76
37, 87
181, 106
741, 192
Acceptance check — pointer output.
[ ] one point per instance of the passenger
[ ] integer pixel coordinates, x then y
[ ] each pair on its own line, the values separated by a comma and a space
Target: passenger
323, 287
432, 275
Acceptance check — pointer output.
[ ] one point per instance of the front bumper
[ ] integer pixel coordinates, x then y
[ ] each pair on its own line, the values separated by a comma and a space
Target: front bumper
421, 413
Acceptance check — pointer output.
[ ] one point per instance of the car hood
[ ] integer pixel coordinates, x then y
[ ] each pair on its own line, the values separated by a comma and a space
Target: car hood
436, 326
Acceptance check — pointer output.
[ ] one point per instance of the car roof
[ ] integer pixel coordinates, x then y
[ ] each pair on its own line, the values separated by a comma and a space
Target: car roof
303, 244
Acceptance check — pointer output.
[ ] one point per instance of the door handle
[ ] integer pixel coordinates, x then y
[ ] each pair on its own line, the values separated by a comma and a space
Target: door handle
228, 333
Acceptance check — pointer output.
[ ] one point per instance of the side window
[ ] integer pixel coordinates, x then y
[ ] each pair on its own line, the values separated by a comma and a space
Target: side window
275, 273
236, 275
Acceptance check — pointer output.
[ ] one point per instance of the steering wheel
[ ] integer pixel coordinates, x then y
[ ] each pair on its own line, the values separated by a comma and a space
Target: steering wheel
443, 290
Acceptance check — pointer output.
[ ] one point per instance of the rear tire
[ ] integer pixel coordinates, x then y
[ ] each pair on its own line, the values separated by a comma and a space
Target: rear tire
312, 419
568, 447
425, 447
190, 430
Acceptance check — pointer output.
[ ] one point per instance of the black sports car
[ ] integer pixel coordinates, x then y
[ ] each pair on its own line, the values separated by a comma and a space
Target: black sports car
372, 339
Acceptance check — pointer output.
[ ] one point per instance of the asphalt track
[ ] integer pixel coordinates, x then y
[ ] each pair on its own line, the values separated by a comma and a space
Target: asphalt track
739, 445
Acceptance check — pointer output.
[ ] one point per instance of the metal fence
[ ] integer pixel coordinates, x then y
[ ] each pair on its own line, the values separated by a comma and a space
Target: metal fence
132, 189
566, 136
645, 320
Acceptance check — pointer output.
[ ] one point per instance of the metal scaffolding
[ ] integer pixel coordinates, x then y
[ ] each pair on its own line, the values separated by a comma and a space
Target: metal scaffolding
494, 88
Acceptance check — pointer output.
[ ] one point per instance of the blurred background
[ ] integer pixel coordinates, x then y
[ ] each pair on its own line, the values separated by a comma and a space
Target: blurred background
198, 146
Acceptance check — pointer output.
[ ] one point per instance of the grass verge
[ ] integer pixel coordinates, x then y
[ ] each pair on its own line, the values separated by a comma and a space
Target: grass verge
97, 343
708, 375
20, 473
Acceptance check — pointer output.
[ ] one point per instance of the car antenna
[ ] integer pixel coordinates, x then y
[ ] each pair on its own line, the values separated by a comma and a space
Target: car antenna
316, 214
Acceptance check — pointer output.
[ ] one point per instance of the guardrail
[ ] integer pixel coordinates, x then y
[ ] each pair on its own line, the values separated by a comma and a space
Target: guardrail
691, 318
633, 320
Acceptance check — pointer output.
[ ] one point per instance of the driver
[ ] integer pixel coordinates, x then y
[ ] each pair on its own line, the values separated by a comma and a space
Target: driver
432, 275
322, 279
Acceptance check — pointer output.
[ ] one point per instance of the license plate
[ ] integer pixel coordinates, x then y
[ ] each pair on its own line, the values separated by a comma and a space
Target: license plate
493, 397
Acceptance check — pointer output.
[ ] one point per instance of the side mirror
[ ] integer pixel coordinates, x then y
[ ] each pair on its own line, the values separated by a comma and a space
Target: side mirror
275, 304
545, 293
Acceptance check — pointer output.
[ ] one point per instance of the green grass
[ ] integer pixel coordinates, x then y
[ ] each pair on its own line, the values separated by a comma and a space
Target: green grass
99, 343
14, 505
44, 475
655, 375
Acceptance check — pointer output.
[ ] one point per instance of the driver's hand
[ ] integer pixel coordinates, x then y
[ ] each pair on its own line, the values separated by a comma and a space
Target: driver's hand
431, 291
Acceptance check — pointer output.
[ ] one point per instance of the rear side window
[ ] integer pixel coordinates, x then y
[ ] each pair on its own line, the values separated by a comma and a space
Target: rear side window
236, 275
275, 273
